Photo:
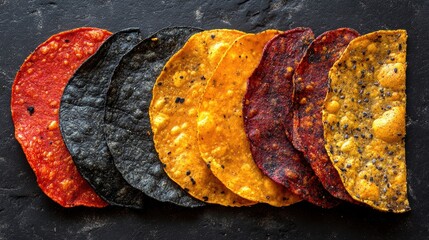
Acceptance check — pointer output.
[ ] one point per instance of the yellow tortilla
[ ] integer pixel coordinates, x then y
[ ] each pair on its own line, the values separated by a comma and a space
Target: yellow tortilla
173, 113
221, 136
364, 119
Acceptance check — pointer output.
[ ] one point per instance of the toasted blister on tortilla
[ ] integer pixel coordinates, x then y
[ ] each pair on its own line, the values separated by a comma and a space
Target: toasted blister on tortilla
310, 88
82, 119
176, 96
221, 135
364, 119
267, 104
36, 96
127, 125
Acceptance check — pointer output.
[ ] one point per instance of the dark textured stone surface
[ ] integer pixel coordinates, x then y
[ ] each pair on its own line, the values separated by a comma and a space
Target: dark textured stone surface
25, 213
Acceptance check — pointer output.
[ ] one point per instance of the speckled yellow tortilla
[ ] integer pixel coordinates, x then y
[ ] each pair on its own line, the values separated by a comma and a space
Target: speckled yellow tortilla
364, 119
221, 135
173, 113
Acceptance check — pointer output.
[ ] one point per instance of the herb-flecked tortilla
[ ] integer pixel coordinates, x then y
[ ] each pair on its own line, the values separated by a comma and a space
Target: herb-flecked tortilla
267, 104
176, 96
127, 125
221, 136
310, 89
82, 119
36, 96
364, 119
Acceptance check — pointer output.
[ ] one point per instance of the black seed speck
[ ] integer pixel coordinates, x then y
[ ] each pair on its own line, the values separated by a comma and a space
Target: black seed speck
30, 110
193, 181
179, 100
213, 36
205, 198
395, 70
188, 172
203, 78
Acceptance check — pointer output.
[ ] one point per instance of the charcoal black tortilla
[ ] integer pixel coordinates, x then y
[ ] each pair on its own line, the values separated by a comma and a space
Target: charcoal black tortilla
82, 117
128, 131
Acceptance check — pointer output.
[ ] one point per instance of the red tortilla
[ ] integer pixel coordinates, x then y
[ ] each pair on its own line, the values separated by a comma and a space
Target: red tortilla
267, 103
310, 89
36, 95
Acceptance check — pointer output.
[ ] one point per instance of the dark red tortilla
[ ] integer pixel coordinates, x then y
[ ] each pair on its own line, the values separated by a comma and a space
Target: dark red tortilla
310, 89
36, 95
267, 103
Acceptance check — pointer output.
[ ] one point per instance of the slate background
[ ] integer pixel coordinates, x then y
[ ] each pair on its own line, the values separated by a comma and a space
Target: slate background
26, 213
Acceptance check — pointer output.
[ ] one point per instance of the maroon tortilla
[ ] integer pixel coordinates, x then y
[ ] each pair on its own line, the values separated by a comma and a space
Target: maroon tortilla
267, 103
310, 89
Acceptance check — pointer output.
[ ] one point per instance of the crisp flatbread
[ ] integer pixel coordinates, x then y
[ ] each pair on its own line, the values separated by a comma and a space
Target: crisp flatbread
176, 96
310, 89
82, 119
267, 104
221, 136
127, 125
364, 119
36, 96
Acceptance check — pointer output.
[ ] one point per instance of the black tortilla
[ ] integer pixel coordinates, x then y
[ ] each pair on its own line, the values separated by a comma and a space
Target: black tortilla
127, 126
82, 117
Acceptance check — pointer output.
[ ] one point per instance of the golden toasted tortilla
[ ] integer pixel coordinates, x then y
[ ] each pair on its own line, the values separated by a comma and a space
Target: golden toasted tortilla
221, 136
364, 119
173, 113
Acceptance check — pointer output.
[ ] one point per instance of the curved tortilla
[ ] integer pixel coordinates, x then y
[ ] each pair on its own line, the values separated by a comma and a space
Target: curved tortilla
82, 119
221, 136
36, 94
310, 89
267, 104
173, 113
364, 119
127, 125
